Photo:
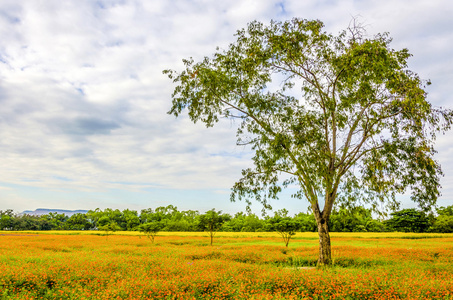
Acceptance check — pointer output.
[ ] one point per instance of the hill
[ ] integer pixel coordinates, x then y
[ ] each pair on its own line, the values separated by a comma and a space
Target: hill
45, 211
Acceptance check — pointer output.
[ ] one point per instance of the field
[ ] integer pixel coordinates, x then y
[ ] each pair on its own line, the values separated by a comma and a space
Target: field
77, 265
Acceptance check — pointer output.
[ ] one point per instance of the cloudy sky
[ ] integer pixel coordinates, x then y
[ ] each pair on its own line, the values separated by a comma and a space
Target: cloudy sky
83, 100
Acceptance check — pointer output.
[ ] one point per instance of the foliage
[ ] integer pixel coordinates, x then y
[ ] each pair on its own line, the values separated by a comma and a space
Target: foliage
57, 221
78, 221
109, 227
340, 116
354, 219
344, 219
111, 216
445, 211
171, 218
244, 222
408, 220
285, 226
6, 219
212, 221
444, 222
306, 222
151, 229
28, 222
131, 220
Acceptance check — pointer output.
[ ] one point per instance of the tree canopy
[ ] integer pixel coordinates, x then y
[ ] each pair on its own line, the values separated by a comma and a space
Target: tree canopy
408, 220
341, 116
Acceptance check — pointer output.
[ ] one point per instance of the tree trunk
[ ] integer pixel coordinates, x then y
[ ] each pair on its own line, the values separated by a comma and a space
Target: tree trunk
325, 254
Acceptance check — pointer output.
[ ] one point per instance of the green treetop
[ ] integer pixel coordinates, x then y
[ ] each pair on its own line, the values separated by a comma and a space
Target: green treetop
339, 116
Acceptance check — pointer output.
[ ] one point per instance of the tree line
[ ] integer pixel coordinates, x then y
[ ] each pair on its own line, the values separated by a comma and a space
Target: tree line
169, 218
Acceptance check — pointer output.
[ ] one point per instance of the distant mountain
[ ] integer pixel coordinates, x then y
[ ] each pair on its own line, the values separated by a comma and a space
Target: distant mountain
45, 211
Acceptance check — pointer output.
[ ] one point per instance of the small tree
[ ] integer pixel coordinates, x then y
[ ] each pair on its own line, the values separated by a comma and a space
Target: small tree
212, 221
151, 229
285, 226
341, 117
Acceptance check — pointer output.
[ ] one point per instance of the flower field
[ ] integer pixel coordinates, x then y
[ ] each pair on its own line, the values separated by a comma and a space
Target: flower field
237, 266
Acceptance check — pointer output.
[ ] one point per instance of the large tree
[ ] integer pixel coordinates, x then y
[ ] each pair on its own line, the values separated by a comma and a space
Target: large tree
341, 117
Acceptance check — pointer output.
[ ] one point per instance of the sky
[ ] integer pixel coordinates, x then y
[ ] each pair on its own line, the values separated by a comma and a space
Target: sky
83, 101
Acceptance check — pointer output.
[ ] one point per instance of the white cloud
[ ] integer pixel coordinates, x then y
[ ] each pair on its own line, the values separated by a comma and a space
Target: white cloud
83, 100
